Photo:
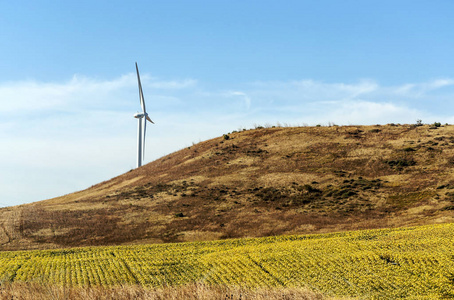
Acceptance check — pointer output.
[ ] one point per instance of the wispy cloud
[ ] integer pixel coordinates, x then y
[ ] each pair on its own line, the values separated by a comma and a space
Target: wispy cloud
79, 92
342, 90
421, 89
246, 99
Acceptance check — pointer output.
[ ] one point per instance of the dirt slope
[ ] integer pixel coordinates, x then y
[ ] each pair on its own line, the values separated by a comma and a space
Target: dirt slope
266, 181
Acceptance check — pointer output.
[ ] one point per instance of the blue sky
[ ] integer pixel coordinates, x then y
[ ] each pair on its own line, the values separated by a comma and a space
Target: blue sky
68, 91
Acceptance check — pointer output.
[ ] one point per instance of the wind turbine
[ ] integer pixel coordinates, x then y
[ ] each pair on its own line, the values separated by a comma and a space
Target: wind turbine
142, 119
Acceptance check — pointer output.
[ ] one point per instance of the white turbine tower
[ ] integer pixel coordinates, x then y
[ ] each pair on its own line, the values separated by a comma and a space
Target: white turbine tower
142, 124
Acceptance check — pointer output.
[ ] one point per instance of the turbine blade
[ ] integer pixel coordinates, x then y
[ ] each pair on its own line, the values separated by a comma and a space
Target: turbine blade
148, 118
143, 137
142, 101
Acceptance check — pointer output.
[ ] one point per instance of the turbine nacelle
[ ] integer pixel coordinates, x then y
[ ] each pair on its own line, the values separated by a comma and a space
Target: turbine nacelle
142, 115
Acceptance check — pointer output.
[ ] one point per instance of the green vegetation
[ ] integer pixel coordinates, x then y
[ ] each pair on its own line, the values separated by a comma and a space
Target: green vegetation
369, 264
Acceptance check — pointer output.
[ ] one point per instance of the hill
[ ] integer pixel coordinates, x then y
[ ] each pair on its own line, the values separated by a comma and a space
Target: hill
261, 182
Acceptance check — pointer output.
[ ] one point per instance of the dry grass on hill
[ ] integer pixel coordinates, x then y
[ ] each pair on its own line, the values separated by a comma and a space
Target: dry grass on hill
267, 181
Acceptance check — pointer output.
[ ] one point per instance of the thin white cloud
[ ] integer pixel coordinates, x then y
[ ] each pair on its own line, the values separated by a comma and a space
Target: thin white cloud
246, 99
421, 89
306, 91
439, 83
78, 93
349, 90
404, 90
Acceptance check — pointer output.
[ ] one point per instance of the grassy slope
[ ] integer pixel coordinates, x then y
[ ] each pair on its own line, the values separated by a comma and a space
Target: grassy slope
257, 183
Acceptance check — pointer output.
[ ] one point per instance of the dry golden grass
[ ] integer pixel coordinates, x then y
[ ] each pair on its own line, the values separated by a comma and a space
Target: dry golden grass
30, 291
259, 182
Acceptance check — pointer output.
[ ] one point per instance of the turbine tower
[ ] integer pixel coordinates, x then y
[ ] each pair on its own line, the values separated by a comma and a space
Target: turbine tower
142, 124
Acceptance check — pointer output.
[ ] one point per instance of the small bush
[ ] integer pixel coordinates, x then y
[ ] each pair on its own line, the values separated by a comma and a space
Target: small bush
347, 194
311, 189
400, 163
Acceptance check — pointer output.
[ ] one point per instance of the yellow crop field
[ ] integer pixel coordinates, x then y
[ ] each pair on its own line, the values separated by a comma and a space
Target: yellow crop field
415, 262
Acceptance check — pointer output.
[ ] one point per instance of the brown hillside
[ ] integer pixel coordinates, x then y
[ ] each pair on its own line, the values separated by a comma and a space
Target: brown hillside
267, 181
